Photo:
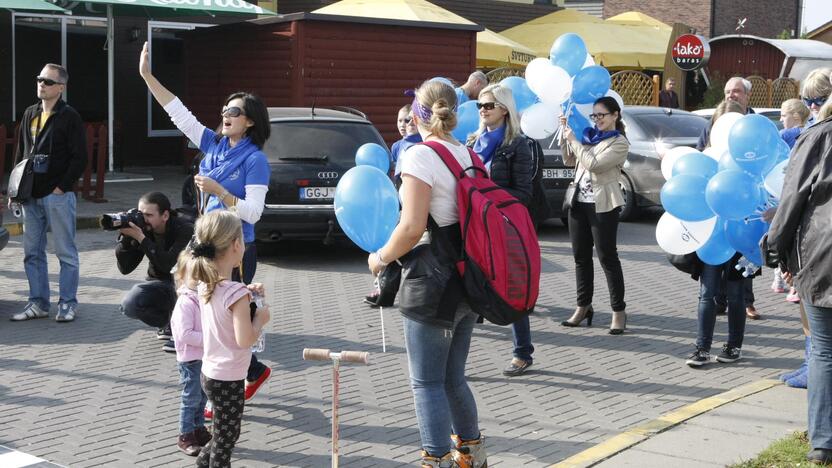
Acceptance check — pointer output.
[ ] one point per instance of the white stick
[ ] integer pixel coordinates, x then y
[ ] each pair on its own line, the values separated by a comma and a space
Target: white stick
383, 338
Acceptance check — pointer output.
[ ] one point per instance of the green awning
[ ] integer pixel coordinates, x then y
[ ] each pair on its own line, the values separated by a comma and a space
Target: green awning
31, 5
196, 6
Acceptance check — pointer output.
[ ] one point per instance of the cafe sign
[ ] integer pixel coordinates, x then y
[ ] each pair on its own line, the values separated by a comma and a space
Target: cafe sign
690, 52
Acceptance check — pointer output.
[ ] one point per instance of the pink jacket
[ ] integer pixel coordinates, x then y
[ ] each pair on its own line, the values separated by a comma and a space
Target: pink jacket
186, 326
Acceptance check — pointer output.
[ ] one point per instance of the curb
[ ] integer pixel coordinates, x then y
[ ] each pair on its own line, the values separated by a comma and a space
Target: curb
639, 434
16, 229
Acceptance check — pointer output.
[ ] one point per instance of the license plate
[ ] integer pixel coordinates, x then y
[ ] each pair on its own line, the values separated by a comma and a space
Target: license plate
558, 173
317, 193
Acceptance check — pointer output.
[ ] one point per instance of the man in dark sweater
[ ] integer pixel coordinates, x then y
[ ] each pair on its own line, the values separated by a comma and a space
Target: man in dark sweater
52, 135
668, 97
164, 236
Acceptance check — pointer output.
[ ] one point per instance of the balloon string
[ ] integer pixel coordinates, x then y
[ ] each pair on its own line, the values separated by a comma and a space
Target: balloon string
377, 283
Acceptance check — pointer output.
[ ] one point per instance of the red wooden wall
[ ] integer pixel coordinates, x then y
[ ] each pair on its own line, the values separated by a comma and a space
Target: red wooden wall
745, 57
328, 63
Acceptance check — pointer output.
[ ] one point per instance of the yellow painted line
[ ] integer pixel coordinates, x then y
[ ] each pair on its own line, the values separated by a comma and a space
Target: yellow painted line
16, 229
639, 434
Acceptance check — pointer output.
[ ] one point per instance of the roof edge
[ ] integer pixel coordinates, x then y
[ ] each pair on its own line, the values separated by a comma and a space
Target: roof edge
308, 16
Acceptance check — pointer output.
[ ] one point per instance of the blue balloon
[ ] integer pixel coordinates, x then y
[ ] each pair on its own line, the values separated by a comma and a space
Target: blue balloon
590, 84
578, 123
467, 120
753, 142
717, 250
744, 236
726, 163
783, 151
568, 52
373, 154
523, 96
697, 164
683, 196
732, 194
367, 207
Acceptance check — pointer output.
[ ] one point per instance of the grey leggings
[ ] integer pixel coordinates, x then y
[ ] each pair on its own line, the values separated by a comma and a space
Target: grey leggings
228, 400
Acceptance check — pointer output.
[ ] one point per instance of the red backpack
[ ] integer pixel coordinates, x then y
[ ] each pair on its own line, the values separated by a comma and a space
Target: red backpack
500, 262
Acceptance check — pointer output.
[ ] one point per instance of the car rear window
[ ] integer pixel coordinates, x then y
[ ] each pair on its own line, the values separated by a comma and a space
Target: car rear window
318, 140
671, 126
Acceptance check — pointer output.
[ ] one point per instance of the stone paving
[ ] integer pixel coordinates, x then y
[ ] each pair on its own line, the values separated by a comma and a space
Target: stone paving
100, 392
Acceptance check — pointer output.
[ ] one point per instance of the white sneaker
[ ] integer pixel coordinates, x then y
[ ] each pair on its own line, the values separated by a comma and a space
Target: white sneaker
31, 311
66, 313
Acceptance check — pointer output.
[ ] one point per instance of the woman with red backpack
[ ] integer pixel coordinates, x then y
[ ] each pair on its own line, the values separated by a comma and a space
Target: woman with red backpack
438, 322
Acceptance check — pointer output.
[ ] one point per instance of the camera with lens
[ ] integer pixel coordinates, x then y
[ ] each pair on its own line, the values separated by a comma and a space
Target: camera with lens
116, 221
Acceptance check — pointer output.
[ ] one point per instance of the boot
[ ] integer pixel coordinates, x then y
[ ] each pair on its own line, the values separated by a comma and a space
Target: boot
446, 461
469, 453
188, 444
580, 314
804, 368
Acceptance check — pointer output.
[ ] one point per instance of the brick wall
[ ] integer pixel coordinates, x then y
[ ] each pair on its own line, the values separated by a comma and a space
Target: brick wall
765, 18
694, 13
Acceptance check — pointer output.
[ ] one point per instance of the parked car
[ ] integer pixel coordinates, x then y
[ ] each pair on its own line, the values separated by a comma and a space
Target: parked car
651, 131
770, 112
308, 151
4, 233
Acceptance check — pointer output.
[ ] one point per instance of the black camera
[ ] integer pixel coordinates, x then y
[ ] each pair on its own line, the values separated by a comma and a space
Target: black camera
116, 221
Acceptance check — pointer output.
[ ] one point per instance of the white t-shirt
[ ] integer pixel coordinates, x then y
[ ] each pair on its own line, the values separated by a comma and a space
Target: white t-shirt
423, 163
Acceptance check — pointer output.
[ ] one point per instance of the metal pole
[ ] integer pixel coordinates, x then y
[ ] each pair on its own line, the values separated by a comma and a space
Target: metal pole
336, 378
110, 82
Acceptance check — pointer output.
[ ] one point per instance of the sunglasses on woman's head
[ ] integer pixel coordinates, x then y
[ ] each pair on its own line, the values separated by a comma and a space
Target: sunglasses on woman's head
47, 81
487, 105
231, 112
818, 101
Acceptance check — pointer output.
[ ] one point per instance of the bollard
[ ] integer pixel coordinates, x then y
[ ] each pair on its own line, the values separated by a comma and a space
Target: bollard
317, 354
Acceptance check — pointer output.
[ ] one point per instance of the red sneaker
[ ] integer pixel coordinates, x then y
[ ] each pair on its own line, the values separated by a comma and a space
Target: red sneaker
208, 413
251, 388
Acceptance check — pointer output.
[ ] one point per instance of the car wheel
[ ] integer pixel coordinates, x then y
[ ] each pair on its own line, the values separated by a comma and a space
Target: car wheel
630, 210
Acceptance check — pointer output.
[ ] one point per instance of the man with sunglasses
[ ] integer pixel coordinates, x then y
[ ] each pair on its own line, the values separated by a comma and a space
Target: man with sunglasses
52, 134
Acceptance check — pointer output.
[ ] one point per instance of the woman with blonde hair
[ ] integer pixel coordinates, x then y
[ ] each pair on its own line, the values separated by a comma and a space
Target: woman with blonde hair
437, 320
815, 91
507, 154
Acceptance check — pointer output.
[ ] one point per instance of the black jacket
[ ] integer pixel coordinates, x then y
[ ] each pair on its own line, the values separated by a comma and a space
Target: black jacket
513, 168
63, 138
800, 230
129, 253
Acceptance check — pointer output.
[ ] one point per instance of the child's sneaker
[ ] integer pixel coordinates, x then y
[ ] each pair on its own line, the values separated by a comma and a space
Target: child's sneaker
469, 453
251, 388
187, 443
699, 358
209, 412
793, 297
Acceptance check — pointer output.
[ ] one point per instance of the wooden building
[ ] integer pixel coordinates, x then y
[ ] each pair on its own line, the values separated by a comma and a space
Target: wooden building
744, 55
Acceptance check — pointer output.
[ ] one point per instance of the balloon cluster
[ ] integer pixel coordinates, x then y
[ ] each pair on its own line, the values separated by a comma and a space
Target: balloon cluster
714, 200
366, 201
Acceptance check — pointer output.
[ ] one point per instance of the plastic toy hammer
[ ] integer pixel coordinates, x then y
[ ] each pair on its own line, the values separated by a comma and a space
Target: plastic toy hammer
316, 354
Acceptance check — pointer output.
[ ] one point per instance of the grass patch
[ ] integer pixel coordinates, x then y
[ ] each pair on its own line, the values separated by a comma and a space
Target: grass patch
785, 453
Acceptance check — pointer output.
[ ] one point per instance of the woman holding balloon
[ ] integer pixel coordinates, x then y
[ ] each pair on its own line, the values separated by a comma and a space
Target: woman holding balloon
507, 155
437, 320
598, 154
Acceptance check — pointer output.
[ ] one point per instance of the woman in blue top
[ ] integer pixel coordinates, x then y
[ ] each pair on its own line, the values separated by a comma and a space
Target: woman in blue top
234, 171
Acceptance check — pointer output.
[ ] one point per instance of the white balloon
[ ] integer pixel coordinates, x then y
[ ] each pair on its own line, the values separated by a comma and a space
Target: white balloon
775, 178
679, 237
540, 120
589, 61
721, 128
584, 109
617, 97
670, 158
713, 153
551, 83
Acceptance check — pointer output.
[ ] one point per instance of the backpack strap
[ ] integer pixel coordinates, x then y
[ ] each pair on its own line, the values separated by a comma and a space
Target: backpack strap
452, 164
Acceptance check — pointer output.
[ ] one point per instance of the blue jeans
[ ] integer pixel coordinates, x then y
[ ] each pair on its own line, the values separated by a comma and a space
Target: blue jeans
444, 402
55, 212
711, 284
820, 376
192, 408
522, 332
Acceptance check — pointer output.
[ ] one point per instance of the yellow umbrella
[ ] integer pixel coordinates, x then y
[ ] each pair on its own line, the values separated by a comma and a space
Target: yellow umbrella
613, 46
495, 51
407, 10
637, 18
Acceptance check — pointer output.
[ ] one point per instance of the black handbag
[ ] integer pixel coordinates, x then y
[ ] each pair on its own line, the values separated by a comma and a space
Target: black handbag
21, 181
571, 194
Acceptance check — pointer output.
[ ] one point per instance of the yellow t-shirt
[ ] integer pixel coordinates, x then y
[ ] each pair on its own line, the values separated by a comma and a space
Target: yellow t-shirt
39, 123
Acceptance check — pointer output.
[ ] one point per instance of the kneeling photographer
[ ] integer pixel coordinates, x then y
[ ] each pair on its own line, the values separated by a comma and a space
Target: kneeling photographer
154, 231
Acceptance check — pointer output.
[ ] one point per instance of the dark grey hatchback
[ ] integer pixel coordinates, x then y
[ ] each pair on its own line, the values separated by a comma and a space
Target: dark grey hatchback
309, 150
651, 131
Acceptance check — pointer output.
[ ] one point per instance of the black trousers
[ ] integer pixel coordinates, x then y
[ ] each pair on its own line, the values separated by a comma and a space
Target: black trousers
228, 401
255, 368
151, 302
587, 229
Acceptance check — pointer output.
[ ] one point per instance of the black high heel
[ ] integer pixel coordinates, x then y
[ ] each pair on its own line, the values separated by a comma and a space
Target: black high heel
620, 331
588, 316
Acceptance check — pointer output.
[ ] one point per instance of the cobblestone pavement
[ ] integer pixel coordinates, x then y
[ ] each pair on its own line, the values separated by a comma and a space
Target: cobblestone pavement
100, 392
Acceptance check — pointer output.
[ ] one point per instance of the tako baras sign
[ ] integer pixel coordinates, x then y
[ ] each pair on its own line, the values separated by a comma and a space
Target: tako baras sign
690, 52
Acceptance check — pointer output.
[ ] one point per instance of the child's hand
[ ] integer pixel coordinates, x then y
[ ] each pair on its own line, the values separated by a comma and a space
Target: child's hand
257, 288
262, 316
